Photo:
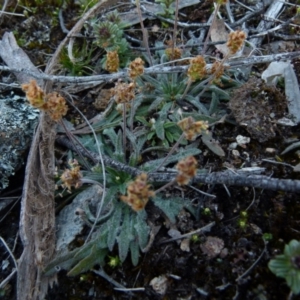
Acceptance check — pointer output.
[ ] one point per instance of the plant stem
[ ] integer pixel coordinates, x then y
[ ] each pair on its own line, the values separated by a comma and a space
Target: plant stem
186, 89
212, 77
124, 130
145, 34
175, 29
72, 138
170, 152
131, 116
254, 264
165, 186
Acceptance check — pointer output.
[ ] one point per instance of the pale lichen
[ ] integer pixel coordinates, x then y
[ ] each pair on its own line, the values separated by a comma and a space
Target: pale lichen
17, 124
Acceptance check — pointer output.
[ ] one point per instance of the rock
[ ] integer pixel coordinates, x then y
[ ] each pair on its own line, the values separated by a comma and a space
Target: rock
17, 123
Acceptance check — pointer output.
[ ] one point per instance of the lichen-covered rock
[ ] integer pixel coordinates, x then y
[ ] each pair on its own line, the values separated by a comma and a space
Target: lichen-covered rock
17, 123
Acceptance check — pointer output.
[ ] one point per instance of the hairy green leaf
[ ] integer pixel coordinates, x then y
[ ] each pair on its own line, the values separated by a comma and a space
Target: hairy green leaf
170, 207
142, 229
114, 226
125, 236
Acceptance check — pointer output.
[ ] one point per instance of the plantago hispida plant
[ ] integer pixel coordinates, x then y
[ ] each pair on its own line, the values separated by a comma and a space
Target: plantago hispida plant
138, 193
52, 103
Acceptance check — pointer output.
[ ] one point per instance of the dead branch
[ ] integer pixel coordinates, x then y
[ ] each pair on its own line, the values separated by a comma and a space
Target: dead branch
37, 233
37, 221
227, 177
97, 79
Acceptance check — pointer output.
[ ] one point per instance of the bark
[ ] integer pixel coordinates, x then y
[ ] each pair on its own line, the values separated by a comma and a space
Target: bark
228, 177
37, 220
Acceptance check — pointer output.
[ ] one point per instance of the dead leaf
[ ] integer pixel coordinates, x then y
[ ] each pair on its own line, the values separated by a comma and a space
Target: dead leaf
218, 34
212, 144
212, 247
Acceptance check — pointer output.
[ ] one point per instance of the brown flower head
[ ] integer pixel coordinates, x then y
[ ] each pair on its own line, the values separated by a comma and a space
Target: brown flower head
173, 56
136, 68
52, 103
191, 128
197, 69
236, 41
34, 94
124, 92
138, 193
112, 61
72, 177
187, 169
55, 106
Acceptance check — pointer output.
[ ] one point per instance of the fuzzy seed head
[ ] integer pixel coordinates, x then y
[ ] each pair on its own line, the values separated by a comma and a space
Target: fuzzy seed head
112, 61
138, 193
187, 169
236, 41
55, 106
173, 56
52, 103
124, 92
34, 94
197, 69
72, 177
191, 128
136, 68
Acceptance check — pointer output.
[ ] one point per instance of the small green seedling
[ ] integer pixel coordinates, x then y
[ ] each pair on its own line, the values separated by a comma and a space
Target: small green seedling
287, 265
114, 261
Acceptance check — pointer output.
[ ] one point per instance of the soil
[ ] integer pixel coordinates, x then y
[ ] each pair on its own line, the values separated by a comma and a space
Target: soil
230, 261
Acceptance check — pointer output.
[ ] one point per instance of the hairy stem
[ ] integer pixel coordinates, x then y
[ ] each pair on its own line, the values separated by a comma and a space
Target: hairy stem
175, 29
170, 152
213, 76
186, 89
165, 186
124, 129
145, 34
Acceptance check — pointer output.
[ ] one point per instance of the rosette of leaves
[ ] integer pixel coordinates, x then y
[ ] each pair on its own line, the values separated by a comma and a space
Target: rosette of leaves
124, 227
160, 131
168, 9
119, 227
111, 145
161, 97
110, 36
156, 91
287, 265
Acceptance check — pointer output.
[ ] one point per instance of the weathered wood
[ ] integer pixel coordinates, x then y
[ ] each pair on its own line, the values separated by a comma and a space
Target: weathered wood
37, 220
36, 232
228, 177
